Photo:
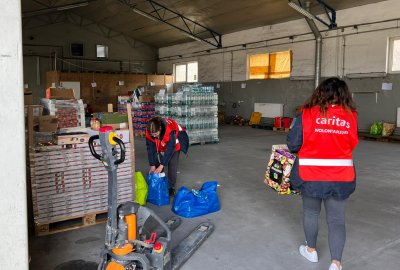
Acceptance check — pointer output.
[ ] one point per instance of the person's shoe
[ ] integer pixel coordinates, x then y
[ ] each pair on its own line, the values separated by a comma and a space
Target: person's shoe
334, 267
311, 256
171, 192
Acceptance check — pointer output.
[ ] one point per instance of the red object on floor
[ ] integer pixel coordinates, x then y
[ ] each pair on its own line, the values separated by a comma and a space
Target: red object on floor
287, 121
278, 122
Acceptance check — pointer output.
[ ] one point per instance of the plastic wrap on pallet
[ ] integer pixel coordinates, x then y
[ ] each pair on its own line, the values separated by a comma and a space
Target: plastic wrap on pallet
195, 108
70, 113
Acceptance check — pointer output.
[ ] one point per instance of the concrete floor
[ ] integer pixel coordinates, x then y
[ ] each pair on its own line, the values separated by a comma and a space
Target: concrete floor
256, 228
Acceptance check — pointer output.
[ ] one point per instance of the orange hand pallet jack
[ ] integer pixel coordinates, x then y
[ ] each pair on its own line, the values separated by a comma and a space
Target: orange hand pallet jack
136, 238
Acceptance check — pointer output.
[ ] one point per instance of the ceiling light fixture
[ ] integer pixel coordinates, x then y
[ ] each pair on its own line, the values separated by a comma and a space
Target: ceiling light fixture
66, 7
301, 10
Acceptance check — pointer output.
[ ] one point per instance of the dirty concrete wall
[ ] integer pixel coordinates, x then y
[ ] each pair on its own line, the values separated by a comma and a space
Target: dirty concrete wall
372, 104
359, 47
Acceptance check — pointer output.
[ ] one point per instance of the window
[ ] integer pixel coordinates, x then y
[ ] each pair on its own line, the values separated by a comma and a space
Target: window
270, 65
180, 73
259, 65
187, 72
77, 49
101, 51
192, 72
394, 55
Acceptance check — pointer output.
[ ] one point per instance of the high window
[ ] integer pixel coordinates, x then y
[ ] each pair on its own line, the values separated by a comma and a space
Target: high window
394, 55
186, 72
270, 65
101, 51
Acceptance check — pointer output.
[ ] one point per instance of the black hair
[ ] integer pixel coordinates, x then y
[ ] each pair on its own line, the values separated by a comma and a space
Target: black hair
154, 125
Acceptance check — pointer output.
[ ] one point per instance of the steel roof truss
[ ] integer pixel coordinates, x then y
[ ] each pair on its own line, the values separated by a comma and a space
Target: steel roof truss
187, 26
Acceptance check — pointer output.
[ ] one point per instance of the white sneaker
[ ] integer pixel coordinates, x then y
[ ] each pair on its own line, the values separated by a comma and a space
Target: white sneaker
311, 256
334, 267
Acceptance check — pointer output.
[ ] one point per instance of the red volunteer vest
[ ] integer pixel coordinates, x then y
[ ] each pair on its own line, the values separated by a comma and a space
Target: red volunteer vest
328, 142
161, 146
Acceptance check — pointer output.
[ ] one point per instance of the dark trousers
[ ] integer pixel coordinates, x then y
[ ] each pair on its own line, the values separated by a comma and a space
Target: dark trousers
335, 217
172, 169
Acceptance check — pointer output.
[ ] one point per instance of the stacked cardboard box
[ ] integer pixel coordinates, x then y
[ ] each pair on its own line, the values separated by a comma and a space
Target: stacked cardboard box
70, 113
48, 123
68, 182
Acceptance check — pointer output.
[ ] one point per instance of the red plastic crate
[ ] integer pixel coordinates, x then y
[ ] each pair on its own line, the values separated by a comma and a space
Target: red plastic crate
278, 122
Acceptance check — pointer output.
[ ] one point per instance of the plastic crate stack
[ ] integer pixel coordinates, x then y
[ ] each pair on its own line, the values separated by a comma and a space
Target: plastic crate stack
195, 108
142, 112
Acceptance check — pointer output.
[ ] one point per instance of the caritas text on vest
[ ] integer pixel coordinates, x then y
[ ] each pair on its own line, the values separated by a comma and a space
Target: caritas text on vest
332, 122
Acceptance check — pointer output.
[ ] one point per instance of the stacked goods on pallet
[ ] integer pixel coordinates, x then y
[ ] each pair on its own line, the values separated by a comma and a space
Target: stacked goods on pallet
68, 182
195, 108
142, 112
116, 120
70, 113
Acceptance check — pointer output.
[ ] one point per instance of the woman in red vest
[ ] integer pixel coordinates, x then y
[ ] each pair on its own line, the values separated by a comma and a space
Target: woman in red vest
325, 135
165, 138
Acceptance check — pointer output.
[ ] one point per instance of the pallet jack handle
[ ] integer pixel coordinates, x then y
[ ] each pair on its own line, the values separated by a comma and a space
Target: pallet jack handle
122, 147
99, 157
91, 146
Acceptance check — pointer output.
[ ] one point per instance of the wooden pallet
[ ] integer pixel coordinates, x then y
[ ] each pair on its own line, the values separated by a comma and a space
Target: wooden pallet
379, 138
70, 223
281, 129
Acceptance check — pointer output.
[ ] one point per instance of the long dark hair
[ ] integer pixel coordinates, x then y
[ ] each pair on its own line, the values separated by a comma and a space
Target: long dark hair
154, 125
331, 91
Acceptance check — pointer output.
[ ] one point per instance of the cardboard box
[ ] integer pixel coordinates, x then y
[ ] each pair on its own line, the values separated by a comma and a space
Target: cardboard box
28, 97
279, 168
72, 138
146, 97
48, 123
57, 93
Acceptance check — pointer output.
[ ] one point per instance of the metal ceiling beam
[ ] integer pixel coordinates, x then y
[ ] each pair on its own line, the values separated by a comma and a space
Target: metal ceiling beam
190, 28
100, 29
55, 9
40, 21
331, 16
330, 12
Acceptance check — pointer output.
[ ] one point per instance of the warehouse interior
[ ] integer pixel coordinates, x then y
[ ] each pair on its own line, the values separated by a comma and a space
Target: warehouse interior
121, 62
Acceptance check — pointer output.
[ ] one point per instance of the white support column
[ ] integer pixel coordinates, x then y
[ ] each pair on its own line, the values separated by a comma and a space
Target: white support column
13, 208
